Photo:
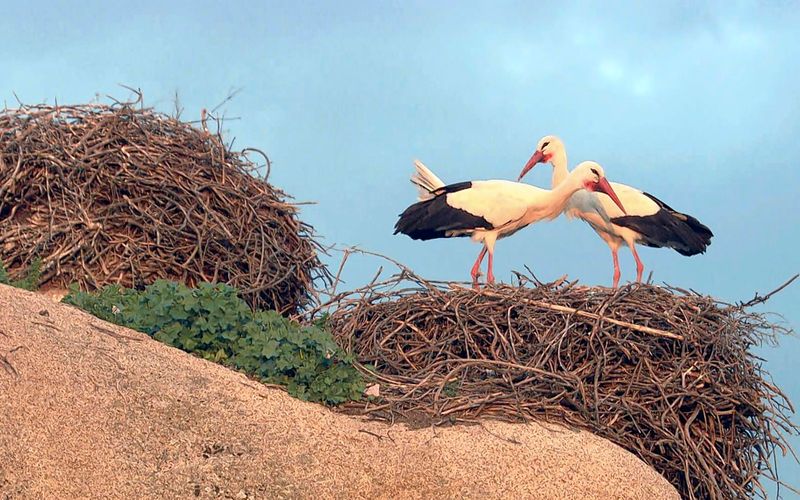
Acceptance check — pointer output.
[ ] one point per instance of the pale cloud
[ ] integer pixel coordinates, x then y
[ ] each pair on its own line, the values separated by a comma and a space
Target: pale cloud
611, 70
582, 35
632, 80
518, 59
739, 37
523, 60
642, 85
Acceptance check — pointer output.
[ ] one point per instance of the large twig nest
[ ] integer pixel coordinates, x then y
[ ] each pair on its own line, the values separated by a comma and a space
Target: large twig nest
123, 194
666, 374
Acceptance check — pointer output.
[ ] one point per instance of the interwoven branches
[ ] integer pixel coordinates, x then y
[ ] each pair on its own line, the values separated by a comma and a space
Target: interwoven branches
122, 194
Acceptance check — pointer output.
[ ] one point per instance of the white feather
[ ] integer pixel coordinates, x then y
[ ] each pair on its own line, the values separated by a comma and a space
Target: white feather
497, 201
426, 181
634, 201
597, 209
509, 206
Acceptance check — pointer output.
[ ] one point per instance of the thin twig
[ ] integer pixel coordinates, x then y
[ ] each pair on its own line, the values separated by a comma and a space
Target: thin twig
119, 193
585, 314
668, 374
758, 299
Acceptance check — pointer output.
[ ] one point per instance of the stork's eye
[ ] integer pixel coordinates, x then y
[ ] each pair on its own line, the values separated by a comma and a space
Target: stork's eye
594, 171
545, 144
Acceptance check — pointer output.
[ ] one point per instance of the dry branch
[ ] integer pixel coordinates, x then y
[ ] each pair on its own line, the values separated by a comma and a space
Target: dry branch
122, 194
666, 374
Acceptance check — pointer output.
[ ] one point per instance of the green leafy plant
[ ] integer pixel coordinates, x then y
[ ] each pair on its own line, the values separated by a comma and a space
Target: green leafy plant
104, 303
31, 279
212, 322
304, 358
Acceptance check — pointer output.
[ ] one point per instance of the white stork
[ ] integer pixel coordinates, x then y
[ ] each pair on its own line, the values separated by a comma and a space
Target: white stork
489, 210
648, 221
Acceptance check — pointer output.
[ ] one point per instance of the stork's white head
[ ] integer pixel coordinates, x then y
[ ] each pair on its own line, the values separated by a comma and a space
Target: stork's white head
549, 147
591, 176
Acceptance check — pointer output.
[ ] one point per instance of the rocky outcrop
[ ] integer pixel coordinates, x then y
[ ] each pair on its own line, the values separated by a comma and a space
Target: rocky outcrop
91, 410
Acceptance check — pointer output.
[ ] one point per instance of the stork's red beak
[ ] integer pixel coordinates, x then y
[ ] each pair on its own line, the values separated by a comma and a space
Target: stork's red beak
604, 187
537, 157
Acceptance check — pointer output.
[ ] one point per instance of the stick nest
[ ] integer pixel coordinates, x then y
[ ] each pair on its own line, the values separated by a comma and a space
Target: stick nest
666, 374
122, 194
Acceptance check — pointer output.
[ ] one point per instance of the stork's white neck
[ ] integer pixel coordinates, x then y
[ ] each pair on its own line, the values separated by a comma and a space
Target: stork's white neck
558, 197
560, 169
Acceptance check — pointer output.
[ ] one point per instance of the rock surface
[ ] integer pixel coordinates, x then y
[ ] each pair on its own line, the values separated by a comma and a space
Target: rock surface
91, 410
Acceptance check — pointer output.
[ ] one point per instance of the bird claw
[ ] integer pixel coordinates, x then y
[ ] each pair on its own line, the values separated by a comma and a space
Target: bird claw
475, 275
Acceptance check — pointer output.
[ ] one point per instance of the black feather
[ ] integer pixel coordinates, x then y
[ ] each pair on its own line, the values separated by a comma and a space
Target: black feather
453, 188
434, 218
668, 228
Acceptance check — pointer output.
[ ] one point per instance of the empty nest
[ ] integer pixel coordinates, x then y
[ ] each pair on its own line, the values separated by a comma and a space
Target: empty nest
667, 374
122, 194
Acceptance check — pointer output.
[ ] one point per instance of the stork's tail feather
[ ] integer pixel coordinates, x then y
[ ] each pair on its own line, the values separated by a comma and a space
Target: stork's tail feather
426, 181
701, 236
669, 228
434, 218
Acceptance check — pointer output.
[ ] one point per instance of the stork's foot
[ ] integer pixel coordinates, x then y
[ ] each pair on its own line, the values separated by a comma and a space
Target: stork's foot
475, 284
475, 275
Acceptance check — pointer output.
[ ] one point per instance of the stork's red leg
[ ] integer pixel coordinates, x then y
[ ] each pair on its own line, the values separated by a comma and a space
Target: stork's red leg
490, 273
616, 266
639, 265
476, 269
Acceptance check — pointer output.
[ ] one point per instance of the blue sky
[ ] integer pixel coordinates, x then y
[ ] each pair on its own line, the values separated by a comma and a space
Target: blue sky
695, 102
